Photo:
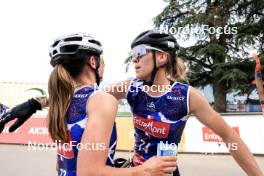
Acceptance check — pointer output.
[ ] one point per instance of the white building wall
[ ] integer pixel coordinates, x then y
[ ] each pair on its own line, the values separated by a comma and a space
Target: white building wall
13, 93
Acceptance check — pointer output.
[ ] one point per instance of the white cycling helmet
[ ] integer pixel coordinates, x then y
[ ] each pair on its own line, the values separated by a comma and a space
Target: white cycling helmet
73, 45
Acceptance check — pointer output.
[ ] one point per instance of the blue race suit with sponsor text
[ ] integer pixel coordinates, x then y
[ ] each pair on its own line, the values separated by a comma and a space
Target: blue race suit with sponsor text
157, 118
76, 121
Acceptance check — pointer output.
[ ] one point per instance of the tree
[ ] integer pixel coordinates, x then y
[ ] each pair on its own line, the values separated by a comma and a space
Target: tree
223, 30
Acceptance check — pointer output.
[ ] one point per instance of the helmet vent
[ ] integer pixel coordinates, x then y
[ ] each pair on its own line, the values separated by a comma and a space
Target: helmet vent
56, 43
73, 39
54, 52
69, 48
95, 42
158, 35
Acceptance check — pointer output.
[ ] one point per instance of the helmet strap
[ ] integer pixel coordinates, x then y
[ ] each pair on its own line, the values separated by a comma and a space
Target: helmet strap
97, 77
173, 60
96, 72
154, 71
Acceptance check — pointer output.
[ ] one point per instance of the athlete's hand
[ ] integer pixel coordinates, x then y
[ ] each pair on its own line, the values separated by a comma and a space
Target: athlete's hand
22, 112
159, 166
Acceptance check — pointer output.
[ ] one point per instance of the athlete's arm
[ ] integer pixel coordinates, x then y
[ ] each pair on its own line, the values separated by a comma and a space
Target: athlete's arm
25, 110
206, 115
119, 89
102, 108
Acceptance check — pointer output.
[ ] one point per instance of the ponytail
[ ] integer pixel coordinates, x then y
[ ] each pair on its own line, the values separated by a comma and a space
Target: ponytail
61, 90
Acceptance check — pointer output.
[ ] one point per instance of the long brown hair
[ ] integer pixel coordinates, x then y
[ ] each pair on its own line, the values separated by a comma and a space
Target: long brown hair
61, 91
176, 70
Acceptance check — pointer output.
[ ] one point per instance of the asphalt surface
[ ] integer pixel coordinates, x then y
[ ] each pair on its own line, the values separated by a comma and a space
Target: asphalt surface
17, 160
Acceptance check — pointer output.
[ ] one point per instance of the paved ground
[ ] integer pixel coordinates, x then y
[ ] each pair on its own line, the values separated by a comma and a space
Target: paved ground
16, 160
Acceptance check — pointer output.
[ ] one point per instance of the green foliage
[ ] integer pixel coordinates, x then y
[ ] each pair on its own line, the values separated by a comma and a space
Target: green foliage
42, 92
217, 58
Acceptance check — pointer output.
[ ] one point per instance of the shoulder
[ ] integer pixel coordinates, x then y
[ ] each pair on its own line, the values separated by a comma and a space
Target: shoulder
101, 97
197, 100
195, 92
180, 85
100, 100
180, 88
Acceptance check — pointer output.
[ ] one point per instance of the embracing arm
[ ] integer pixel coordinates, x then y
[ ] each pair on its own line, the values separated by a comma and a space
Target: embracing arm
206, 115
118, 90
25, 110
